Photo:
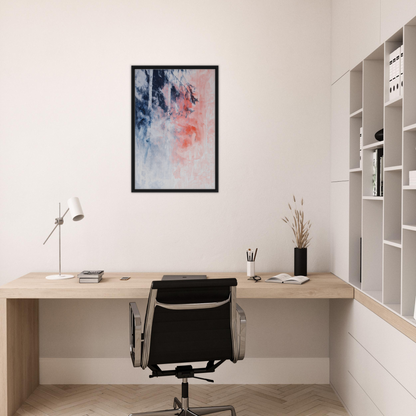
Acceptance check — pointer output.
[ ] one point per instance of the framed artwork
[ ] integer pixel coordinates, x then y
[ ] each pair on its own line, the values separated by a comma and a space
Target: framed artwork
174, 128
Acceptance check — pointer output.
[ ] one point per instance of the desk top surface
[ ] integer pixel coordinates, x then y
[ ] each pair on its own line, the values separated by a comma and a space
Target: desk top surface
35, 286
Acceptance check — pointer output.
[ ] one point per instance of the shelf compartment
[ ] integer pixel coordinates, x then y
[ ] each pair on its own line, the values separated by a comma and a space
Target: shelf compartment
389, 47
409, 208
392, 275
367, 155
409, 273
372, 246
355, 125
355, 215
409, 109
373, 104
375, 294
409, 155
393, 131
392, 205
356, 89
395, 307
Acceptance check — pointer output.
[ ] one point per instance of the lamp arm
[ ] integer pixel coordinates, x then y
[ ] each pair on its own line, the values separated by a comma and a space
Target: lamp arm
58, 221
65, 213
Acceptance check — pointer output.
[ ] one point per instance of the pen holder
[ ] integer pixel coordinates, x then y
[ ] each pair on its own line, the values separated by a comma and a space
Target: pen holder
251, 269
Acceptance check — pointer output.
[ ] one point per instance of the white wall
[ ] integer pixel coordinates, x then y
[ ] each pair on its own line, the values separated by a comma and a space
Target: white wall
360, 26
65, 131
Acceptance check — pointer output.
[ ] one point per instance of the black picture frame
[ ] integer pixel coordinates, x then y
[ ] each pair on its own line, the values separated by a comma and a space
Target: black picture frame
134, 117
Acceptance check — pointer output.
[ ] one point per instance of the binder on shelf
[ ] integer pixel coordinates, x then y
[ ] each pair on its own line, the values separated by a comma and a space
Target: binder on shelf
397, 72
391, 57
401, 69
377, 176
394, 74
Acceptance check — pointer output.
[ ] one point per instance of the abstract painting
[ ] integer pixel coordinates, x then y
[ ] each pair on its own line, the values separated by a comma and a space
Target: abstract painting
174, 129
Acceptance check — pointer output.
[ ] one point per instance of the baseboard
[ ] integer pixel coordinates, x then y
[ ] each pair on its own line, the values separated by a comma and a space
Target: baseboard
248, 371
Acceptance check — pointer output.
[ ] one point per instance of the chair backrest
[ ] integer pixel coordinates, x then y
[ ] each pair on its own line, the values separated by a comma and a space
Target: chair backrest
190, 321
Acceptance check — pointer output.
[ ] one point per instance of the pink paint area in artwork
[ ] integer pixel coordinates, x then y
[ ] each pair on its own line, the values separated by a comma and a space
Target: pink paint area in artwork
194, 132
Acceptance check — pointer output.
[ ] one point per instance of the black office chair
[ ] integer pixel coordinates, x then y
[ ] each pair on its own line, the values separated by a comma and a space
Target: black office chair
186, 322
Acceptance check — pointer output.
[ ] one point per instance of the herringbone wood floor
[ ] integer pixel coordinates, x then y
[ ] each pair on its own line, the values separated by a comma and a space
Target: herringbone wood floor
120, 400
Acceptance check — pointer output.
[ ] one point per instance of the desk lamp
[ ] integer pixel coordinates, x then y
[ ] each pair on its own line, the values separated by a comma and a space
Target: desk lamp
75, 210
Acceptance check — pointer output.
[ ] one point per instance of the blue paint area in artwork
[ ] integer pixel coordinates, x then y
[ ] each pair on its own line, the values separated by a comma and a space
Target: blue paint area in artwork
149, 152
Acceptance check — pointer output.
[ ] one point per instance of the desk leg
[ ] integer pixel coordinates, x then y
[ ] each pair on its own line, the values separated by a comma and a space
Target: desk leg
19, 352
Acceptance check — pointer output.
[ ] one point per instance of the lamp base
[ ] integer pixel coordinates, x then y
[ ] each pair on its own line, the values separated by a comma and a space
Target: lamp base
59, 276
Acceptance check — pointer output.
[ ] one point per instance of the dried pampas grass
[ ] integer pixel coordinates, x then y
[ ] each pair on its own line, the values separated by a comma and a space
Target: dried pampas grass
299, 227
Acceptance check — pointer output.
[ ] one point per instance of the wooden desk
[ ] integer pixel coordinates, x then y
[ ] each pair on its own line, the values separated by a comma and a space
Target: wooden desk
19, 315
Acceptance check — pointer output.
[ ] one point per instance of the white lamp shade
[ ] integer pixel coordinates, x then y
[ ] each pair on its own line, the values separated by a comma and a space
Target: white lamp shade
75, 209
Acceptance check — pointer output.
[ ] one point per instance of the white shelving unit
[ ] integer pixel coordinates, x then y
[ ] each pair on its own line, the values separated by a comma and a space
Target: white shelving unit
384, 227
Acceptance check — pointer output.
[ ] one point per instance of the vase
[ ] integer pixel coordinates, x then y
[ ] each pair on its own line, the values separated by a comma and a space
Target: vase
301, 261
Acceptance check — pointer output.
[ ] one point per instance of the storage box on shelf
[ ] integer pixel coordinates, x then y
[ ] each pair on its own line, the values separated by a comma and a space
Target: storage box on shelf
386, 222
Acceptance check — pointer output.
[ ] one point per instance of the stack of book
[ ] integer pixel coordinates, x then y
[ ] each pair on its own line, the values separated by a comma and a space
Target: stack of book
91, 276
412, 178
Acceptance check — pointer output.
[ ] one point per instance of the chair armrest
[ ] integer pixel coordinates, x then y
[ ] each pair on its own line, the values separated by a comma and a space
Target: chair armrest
135, 335
241, 331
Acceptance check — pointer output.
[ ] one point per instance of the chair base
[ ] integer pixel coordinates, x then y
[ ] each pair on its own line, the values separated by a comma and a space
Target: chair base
179, 410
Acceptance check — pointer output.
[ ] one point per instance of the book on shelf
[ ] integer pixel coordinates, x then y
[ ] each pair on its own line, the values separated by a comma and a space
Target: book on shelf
377, 173
374, 174
91, 274
381, 170
90, 280
401, 69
